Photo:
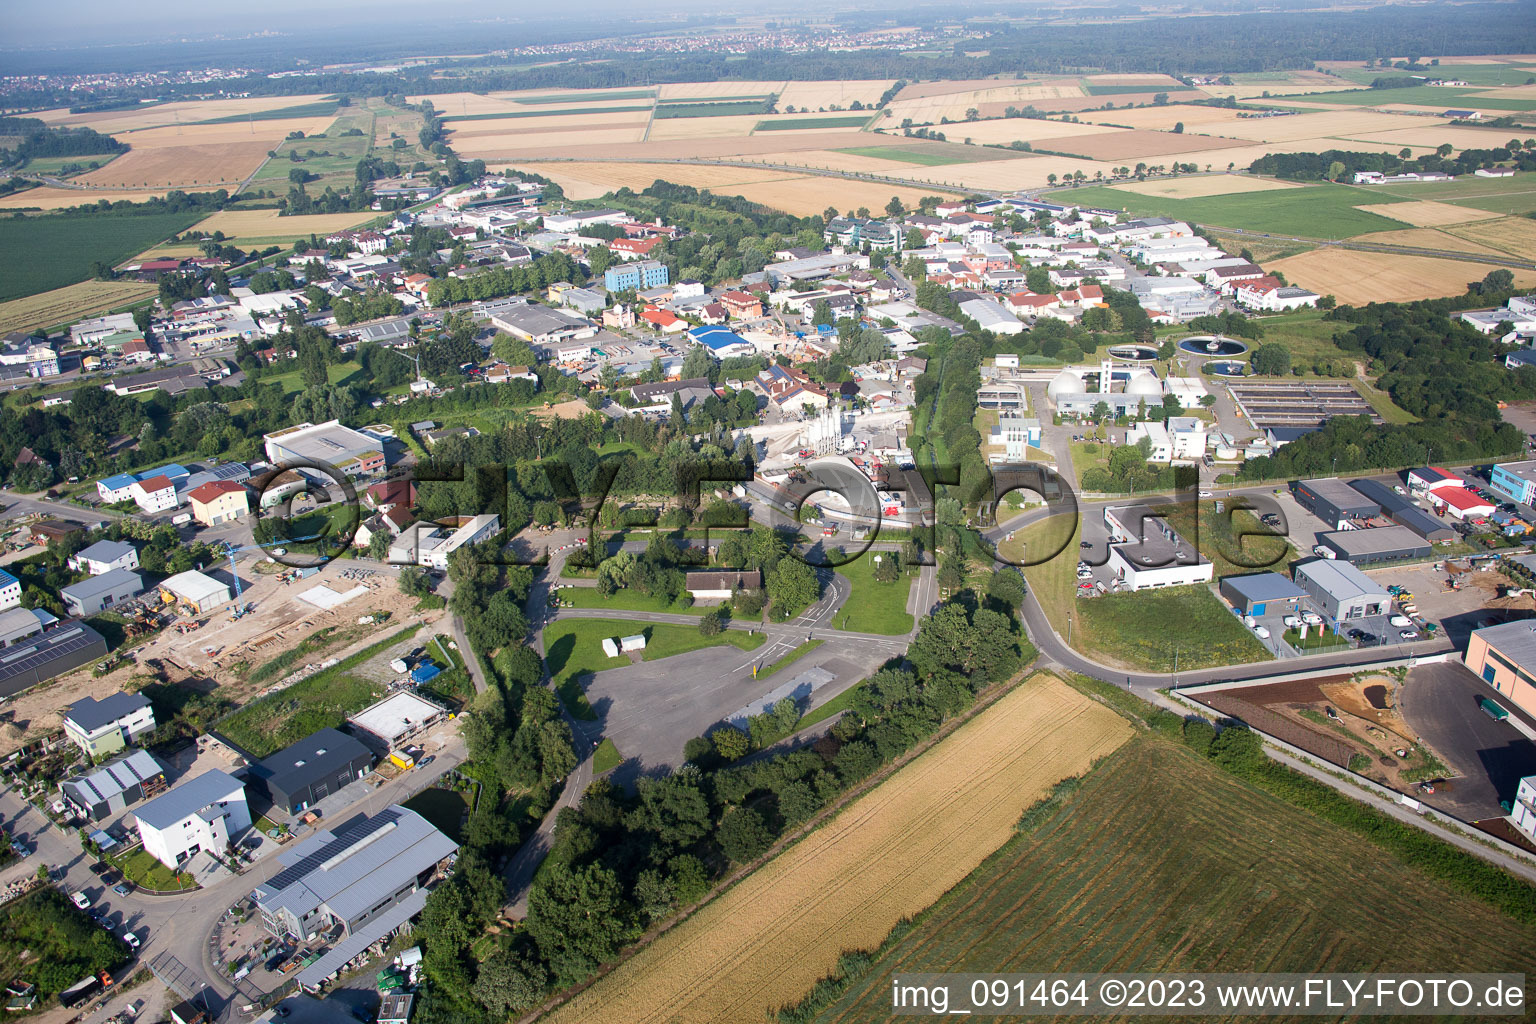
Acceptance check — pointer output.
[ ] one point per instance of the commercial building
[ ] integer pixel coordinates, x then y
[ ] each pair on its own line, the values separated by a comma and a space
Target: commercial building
718, 585
156, 494
991, 315
395, 719
430, 545
105, 726
1504, 656
637, 276
1515, 479
1460, 503
1431, 478
10, 591
348, 876
1263, 593
1146, 553
857, 232
1015, 434
19, 623
1523, 812
104, 556
350, 452
542, 326
1341, 591
1335, 502
203, 593
61, 650
218, 501
202, 815
1379, 544
96, 593
310, 770
114, 489
1401, 510
111, 788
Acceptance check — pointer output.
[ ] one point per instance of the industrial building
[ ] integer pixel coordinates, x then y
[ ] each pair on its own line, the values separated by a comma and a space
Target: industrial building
52, 654
430, 545
1341, 591
395, 719
96, 593
201, 592
104, 726
1334, 502
350, 452
1264, 593
114, 786
1381, 544
1145, 552
1504, 657
19, 623
308, 771
1401, 510
1515, 479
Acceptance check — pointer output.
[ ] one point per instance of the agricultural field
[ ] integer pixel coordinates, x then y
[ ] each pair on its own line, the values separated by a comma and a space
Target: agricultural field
198, 155
1163, 119
335, 155
1322, 125
62, 305
720, 90
804, 196
1001, 131
1426, 213
829, 95
1513, 235
887, 855
152, 115
590, 180
1437, 239
737, 126
900, 154
930, 103
1171, 865
55, 165
48, 252
245, 227
1315, 211
1361, 277
796, 123
1205, 185
1133, 145
716, 108
1003, 172
46, 197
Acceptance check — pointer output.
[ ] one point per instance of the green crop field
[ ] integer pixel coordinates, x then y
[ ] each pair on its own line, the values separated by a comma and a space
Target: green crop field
805, 123
1316, 211
320, 108
1477, 74
1443, 96
55, 164
1094, 89
54, 250
543, 113
905, 155
873, 606
712, 109
1161, 862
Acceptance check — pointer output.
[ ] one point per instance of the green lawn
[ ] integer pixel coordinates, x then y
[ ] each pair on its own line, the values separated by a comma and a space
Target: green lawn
790, 658
803, 123
55, 164
874, 607
902, 153
143, 870
573, 648
1442, 96
1146, 630
320, 108
53, 250
1316, 641
1314, 211
827, 710
1477, 74
606, 757
344, 150
624, 601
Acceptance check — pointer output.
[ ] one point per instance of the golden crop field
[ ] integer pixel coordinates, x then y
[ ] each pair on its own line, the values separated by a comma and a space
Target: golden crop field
730, 126
553, 121
815, 95
1320, 125
538, 148
1022, 172
1514, 235
72, 302
1426, 213
1429, 238
1164, 118
1359, 277
45, 197
990, 100
1003, 130
804, 196
948, 87
510, 145
1456, 135
717, 90
590, 180
242, 224
1150, 81
1206, 185
111, 122
1250, 92
889, 854
1123, 144
187, 156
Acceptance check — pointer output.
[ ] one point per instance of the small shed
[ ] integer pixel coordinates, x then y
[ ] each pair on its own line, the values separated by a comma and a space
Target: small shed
610, 647
632, 643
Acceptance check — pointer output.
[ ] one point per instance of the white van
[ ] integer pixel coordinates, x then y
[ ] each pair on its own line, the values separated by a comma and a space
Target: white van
182, 520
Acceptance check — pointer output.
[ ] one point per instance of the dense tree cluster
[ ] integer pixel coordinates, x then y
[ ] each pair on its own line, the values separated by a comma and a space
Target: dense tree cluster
1341, 165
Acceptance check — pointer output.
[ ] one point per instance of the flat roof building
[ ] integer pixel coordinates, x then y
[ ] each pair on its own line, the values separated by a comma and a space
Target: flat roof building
96, 593
1515, 479
308, 771
395, 719
1401, 510
1380, 544
1504, 657
351, 452
1340, 590
1334, 501
1263, 593
1145, 552
202, 592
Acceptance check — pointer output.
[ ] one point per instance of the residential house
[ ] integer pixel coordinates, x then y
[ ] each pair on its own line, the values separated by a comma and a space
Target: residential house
104, 556
105, 726
110, 789
218, 501
157, 494
203, 815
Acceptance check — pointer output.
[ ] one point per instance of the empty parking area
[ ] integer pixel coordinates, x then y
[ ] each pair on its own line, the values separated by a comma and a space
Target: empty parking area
1305, 403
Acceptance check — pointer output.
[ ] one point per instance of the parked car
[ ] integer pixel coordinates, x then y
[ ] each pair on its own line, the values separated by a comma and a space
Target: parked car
80, 900
1399, 489
426, 760
123, 888
1400, 620
131, 939
1409, 634
1262, 632
1312, 618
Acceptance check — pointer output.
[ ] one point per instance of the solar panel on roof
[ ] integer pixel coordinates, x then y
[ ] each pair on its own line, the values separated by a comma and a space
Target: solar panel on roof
348, 835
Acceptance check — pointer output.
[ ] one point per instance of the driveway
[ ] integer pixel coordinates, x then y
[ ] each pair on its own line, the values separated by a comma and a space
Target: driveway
1440, 703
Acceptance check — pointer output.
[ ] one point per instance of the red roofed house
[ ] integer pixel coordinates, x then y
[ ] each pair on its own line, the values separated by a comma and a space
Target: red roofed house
1029, 302
662, 320
218, 501
1088, 296
156, 494
1460, 503
712, 313
633, 248
137, 351
742, 305
386, 495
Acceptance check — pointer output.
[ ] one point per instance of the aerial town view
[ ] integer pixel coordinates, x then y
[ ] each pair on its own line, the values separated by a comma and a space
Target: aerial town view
697, 513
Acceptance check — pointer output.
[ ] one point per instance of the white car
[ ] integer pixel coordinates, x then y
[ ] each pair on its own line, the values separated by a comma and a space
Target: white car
1312, 618
80, 900
1085, 574
1400, 620
1262, 632
1291, 621
1399, 489
1409, 634
131, 939
1205, 494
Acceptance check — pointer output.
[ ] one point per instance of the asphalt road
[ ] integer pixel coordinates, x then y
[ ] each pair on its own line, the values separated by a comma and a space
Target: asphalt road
1440, 703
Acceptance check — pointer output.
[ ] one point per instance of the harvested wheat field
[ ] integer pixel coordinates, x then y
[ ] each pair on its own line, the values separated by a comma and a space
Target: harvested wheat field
1276, 89
1320, 125
1426, 213
1431, 138
590, 180
552, 121
1428, 238
1360, 277
71, 302
198, 155
720, 90
805, 196
1206, 185
1162, 119
1003, 130
111, 122
45, 197
538, 147
238, 225
990, 101
816, 95
1514, 235
1004, 175
1150, 81
923, 90
511, 145
889, 854
1121, 144
737, 126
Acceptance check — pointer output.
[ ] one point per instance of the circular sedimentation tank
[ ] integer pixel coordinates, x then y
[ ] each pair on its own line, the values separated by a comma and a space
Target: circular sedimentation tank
1226, 368
1132, 353
1212, 345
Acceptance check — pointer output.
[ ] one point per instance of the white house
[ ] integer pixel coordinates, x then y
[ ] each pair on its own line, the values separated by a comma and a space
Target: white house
104, 556
198, 816
100, 727
1147, 553
1523, 813
157, 494
1182, 437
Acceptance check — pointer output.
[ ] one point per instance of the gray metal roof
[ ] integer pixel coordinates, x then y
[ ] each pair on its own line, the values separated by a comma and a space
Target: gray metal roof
110, 580
350, 869
1264, 586
1378, 541
42, 654
1341, 494
1340, 579
189, 798
107, 551
1516, 641
317, 756
91, 714
116, 777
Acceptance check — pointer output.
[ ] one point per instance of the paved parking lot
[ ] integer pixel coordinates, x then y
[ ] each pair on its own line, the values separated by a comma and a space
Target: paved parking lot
1440, 702
1457, 613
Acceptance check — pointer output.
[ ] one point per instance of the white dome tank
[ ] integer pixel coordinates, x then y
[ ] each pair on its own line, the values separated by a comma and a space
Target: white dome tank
1066, 382
1144, 384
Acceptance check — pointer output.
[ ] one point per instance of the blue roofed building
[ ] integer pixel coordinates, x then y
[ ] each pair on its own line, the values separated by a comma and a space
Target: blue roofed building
722, 342
114, 489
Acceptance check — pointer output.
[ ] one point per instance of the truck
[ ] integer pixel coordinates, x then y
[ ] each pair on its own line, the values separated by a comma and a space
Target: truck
1493, 709
80, 991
